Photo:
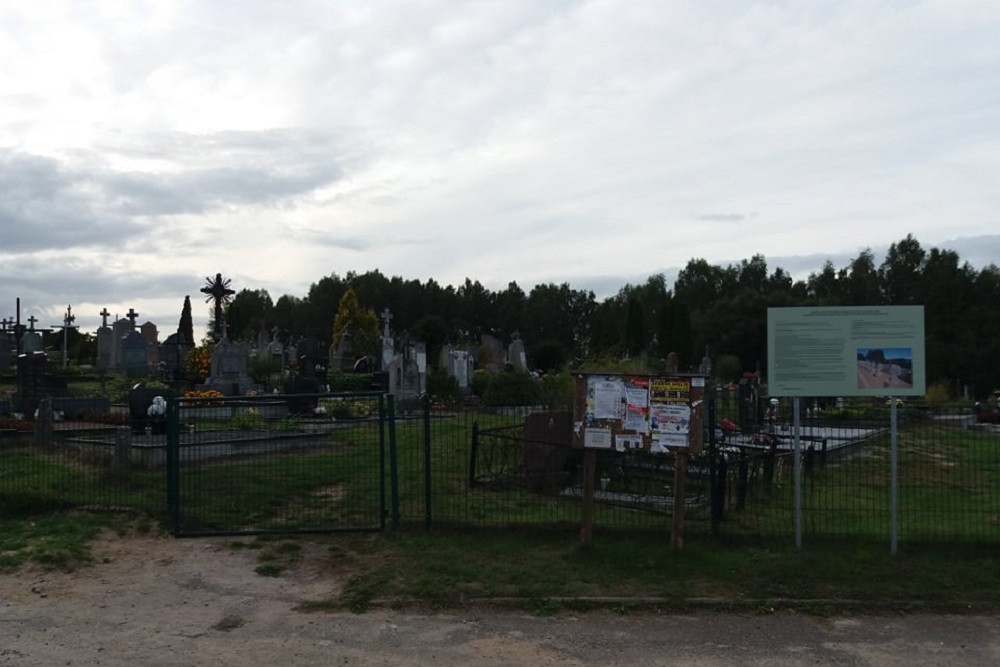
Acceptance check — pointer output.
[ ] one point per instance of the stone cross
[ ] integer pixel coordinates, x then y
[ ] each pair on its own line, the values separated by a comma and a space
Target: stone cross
5, 323
31, 323
386, 318
67, 324
132, 315
104, 316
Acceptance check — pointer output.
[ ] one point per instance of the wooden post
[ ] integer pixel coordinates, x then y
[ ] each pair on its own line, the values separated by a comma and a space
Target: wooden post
587, 519
677, 527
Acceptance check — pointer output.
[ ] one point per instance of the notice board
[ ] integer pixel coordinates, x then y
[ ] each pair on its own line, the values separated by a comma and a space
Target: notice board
846, 351
651, 413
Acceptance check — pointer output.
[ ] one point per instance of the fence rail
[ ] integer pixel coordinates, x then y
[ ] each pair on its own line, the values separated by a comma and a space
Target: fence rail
351, 462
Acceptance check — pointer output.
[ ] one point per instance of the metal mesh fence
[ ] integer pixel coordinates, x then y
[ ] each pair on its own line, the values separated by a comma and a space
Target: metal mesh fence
277, 464
948, 477
349, 462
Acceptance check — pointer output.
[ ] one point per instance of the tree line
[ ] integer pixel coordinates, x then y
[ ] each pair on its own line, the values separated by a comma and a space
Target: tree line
718, 309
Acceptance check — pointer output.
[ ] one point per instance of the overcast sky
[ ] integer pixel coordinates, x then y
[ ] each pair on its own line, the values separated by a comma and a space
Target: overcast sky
147, 145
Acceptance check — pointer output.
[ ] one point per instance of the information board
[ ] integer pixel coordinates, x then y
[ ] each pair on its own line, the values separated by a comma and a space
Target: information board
846, 351
654, 413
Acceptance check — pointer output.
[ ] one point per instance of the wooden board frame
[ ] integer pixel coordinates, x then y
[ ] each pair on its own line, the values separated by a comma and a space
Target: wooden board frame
609, 412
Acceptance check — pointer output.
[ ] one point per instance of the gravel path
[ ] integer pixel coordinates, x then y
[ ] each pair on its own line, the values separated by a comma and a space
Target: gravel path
150, 601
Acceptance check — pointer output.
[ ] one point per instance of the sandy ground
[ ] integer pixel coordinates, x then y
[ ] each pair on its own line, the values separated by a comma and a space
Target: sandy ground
161, 601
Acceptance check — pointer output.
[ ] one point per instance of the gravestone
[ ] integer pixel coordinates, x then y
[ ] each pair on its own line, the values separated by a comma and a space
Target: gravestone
547, 438
388, 354
172, 353
516, 358
140, 398
132, 355
31, 341
229, 369
105, 343
705, 367
6, 351
312, 360
31, 368
119, 330
458, 364
343, 356
493, 356
410, 371
276, 351
152, 337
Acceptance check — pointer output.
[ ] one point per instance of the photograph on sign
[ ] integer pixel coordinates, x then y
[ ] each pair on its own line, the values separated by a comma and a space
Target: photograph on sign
885, 368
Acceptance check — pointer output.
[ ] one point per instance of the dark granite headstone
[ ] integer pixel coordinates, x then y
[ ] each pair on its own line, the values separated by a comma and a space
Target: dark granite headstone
547, 440
140, 397
133, 355
31, 381
172, 353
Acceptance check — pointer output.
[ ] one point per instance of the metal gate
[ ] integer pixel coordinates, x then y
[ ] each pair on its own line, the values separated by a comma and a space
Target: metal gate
276, 464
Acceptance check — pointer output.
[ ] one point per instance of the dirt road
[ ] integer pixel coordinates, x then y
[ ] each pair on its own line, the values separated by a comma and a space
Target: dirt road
197, 602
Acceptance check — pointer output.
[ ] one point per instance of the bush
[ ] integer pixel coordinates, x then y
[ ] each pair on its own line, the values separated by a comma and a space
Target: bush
512, 388
261, 368
443, 387
557, 390
481, 381
938, 395
341, 381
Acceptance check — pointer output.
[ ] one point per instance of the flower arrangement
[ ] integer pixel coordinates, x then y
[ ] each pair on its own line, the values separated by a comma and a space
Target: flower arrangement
198, 362
204, 393
158, 407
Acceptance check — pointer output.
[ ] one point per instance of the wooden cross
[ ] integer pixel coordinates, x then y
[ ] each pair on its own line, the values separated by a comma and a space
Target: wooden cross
104, 316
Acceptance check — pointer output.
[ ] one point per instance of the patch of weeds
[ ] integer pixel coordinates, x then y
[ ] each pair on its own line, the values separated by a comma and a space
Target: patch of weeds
239, 544
360, 590
766, 607
269, 570
544, 607
623, 608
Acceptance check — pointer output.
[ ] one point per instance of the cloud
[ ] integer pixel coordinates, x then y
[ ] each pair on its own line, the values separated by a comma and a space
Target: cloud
44, 205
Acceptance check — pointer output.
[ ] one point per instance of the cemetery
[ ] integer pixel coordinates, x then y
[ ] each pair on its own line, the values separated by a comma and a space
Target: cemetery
269, 430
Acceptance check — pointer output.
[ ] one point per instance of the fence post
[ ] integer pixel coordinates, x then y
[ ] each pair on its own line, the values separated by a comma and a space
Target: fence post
173, 462
393, 461
769, 462
381, 460
741, 484
721, 482
713, 475
43, 423
474, 455
123, 450
427, 461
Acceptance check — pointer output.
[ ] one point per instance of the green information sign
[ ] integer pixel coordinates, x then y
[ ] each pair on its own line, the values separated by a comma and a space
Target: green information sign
846, 351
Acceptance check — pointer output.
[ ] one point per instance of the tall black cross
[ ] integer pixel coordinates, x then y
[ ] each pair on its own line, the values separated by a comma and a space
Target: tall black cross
218, 291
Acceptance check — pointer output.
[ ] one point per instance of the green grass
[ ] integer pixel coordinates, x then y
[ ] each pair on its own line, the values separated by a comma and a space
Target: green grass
59, 541
949, 491
544, 572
